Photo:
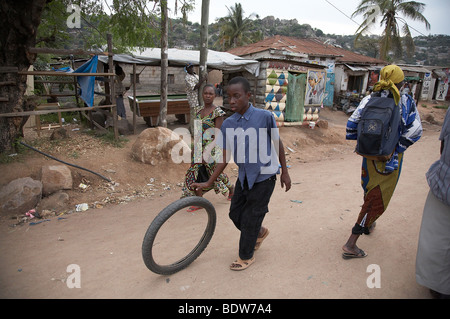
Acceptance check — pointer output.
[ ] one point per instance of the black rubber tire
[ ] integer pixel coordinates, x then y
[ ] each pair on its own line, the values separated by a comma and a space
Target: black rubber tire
162, 217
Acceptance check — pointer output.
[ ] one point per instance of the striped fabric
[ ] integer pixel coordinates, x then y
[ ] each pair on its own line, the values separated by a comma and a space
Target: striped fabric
438, 176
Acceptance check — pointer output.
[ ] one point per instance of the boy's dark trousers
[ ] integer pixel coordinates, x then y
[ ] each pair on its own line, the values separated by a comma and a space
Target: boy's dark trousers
247, 211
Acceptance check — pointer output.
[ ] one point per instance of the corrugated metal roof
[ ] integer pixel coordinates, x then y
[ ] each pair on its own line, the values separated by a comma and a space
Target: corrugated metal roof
311, 47
414, 68
440, 73
216, 60
355, 68
295, 45
356, 58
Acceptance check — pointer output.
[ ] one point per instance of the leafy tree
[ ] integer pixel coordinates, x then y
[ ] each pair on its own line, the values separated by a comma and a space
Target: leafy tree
368, 45
28, 23
235, 27
389, 11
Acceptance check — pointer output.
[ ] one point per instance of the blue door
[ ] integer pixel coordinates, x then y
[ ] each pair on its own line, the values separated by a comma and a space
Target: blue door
329, 90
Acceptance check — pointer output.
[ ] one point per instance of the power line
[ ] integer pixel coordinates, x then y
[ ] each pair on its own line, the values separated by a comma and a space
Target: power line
341, 12
409, 26
350, 18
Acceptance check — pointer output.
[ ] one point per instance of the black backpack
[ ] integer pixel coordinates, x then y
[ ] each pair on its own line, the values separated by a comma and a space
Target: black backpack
378, 128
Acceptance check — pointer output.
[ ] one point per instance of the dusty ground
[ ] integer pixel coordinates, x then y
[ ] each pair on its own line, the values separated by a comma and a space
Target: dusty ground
300, 259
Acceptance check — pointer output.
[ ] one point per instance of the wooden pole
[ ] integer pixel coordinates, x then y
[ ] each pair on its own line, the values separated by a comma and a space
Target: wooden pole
66, 51
75, 84
203, 48
134, 99
40, 112
164, 63
112, 86
58, 73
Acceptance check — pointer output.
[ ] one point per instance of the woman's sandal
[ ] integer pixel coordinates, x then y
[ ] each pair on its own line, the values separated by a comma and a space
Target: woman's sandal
259, 240
360, 254
240, 264
193, 208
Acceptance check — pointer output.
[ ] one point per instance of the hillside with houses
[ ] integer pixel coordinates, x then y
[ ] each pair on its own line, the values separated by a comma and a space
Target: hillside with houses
430, 50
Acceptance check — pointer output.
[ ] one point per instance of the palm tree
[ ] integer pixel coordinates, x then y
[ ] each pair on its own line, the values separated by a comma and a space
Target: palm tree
234, 30
390, 11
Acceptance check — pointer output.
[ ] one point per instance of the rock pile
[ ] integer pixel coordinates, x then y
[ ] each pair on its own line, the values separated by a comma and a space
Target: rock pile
24, 194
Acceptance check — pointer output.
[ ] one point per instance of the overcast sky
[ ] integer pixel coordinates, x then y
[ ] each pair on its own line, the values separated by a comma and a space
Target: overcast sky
325, 14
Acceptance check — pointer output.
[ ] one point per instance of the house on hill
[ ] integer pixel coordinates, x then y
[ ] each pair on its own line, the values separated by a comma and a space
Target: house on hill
299, 76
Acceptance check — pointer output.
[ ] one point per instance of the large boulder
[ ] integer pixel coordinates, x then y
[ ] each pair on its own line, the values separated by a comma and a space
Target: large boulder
160, 145
55, 178
20, 195
55, 202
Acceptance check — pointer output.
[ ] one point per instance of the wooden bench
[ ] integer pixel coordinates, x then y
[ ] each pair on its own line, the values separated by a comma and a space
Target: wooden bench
148, 106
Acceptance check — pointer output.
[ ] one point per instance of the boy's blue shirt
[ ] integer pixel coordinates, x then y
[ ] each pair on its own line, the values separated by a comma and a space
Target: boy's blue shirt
255, 154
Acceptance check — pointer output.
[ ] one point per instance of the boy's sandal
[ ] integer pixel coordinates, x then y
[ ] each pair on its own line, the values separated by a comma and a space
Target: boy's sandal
230, 193
240, 264
261, 239
193, 208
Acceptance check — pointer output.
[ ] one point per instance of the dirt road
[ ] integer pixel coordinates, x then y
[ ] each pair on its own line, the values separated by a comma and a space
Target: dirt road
301, 258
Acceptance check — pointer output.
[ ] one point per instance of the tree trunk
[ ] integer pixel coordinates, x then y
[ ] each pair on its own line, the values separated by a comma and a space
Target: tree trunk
164, 64
18, 27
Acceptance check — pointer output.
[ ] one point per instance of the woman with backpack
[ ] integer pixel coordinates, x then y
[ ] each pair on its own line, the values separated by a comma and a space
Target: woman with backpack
379, 177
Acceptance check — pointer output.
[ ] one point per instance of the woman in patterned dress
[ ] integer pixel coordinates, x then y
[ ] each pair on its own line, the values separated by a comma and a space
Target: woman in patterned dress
379, 179
211, 117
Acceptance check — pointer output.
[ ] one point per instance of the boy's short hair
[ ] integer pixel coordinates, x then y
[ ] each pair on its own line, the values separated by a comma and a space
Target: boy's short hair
241, 80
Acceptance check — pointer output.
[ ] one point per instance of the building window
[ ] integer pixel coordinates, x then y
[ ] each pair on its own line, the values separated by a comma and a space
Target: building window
171, 78
137, 78
355, 83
